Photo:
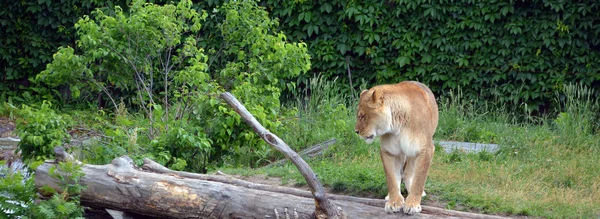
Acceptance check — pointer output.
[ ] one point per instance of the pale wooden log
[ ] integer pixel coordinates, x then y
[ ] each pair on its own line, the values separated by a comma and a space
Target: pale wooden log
324, 208
151, 165
122, 186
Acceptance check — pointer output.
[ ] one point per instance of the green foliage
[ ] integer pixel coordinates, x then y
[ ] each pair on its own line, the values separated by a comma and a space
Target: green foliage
149, 52
69, 174
578, 110
57, 207
100, 137
183, 147
40, 131
8, 110
252, 63
516, 52
467, 120
64, 204
512, 51
151, 58
147, 57
17, 192
31, 32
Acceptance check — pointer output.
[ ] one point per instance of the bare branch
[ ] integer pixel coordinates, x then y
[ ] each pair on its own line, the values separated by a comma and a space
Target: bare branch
324, 208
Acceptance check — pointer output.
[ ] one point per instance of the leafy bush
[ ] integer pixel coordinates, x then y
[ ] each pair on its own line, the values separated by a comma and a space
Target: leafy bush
260, 61
151, 51
183, 147
17, 192
151, 59
40, 131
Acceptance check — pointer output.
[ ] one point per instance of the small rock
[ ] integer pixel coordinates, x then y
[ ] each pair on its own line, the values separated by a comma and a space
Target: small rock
468, 147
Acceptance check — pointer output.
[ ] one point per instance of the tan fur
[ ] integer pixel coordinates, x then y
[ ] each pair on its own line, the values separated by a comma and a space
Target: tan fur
405, 117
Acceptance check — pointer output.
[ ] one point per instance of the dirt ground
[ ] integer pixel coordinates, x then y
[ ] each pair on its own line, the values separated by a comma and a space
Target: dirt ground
7, 128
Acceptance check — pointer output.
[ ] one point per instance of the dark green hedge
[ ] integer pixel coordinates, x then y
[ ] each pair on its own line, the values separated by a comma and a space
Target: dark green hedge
511, 51
31, 31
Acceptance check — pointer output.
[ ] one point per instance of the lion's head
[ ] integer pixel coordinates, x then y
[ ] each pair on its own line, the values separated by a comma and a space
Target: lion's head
373, 118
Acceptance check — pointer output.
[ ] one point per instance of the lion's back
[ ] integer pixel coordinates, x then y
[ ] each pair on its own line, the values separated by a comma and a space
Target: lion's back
416, 101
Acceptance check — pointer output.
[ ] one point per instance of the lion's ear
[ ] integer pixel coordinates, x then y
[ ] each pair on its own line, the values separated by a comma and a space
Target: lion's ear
377, 97
363, 92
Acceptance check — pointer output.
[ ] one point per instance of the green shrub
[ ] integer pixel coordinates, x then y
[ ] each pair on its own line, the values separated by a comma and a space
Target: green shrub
183, 147
40, 131
17, 192
151, 58
515, 51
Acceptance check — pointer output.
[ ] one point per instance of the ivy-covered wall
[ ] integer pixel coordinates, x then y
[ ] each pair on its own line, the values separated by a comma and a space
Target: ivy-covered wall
511, 51
31, 31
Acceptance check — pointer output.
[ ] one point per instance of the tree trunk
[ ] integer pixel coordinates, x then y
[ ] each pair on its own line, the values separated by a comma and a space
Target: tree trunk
122, 186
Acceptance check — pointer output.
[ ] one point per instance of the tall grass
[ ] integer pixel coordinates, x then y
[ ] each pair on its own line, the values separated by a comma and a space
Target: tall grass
319, 91
578, 118
321, 113
463, 119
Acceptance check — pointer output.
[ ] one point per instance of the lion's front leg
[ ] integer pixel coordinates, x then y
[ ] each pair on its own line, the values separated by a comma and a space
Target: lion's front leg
416, 172
394, 201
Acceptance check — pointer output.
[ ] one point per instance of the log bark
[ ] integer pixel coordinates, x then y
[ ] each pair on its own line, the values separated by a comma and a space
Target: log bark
324, 208
122, 186
152, 166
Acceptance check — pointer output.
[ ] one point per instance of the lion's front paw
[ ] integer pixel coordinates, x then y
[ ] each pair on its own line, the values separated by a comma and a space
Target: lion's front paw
411, 208
394, 204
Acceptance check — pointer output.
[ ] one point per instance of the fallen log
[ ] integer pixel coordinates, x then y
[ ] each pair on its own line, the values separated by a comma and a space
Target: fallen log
121, 186
152, 166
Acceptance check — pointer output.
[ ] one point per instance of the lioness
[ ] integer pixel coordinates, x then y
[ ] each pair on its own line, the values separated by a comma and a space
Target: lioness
405, 115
